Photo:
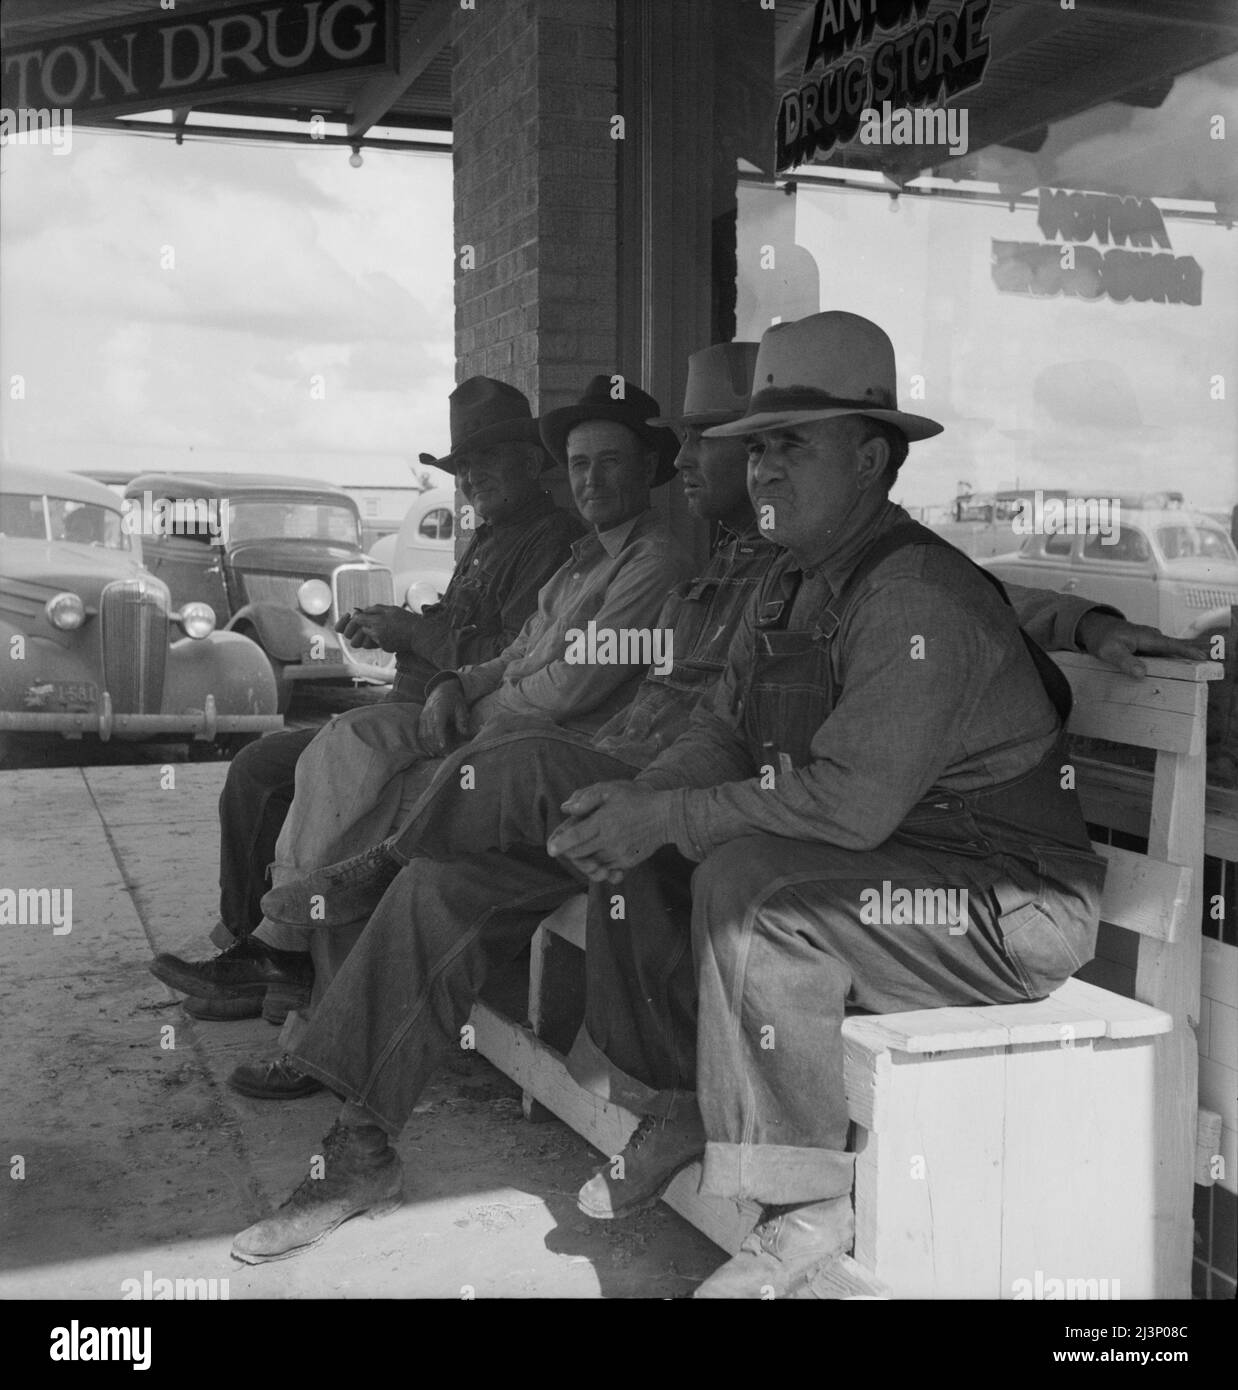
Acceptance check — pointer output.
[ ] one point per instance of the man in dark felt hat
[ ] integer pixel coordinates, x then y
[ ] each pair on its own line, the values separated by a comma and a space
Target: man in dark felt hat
520, 540
462, 903
353, 777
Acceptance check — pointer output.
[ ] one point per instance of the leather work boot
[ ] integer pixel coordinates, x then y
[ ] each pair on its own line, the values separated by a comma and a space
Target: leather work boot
245, 968
783, 1249
362, 1173
656, 1150
278, 1080
345, 892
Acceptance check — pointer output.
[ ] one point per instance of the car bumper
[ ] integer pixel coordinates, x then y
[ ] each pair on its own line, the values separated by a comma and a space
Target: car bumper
205, 724
337, 671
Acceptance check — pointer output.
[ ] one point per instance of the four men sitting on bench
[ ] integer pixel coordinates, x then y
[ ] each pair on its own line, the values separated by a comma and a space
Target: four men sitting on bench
878, 733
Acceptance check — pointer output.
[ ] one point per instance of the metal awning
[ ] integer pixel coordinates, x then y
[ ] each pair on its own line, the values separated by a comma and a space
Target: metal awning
1046, 64
416, 94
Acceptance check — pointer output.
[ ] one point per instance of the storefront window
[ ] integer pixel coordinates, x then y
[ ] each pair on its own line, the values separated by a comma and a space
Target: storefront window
1069, 312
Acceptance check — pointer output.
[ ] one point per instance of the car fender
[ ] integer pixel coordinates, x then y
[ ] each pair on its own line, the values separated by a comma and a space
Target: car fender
1214, 620
226, 665
43, 659
282, 632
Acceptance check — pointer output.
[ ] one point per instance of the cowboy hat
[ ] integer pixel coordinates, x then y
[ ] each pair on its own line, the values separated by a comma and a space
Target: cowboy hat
483, 411
719, 384
822, 367
632, 408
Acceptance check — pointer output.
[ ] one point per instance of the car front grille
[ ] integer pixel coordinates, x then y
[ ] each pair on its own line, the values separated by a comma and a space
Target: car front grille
1211, 598
273, 588
357, 586
133, 616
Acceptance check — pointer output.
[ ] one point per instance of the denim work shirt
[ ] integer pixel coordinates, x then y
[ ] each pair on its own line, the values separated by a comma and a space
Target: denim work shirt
493, 591
937, 692
705, 614
616, 579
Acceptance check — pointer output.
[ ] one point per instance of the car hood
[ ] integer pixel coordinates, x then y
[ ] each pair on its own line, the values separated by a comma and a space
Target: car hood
292, 556
61, 565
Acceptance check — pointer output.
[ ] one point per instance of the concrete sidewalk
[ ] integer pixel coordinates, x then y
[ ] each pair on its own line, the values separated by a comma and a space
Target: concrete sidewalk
136, 1155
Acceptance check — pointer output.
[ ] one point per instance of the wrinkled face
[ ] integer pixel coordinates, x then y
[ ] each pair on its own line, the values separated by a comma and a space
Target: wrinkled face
498, 479
805, 482
610, 471
714, 474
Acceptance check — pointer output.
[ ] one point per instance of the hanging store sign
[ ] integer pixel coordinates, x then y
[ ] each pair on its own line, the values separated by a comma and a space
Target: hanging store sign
922, 63
1063, 265
174, 59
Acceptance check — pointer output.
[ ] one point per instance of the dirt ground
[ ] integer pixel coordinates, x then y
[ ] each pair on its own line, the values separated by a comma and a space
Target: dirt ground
126, 1152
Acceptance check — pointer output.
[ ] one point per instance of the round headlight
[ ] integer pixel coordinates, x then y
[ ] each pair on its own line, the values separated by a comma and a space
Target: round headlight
421, 593
197, 620
65, 611
314, 596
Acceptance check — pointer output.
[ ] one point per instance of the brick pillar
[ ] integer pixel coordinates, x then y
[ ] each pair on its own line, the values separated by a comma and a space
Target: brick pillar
533, 93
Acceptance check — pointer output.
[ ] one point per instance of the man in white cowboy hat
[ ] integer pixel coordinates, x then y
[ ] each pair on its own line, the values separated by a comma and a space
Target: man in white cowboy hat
883, 722
441, 923
497, 456
351, 779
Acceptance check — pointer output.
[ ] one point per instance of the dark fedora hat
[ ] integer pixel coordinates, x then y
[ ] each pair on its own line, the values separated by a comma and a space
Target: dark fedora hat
484, 411
633, 408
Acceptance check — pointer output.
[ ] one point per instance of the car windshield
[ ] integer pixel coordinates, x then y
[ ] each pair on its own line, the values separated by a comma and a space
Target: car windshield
1187, 542
292, 519
29, 516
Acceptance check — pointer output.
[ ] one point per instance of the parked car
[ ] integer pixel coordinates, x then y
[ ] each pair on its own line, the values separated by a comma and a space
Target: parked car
93, 643
1170, 567
286, 566
421, 554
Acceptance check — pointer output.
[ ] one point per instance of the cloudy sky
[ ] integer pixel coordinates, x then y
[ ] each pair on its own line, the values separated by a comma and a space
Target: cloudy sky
282, 264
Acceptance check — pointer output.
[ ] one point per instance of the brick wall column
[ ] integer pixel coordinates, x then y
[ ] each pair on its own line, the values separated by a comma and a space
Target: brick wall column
533, 93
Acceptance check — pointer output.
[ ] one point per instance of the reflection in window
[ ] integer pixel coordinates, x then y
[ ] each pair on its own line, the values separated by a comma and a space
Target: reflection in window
1059, 544
436, 525
1194, 542
21, 518
292, 520
1129, 544
84, 523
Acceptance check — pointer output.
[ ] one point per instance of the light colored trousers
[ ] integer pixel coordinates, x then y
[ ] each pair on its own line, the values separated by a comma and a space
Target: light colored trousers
355, 783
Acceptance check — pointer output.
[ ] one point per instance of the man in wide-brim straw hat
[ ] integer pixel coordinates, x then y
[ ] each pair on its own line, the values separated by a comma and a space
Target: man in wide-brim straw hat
444, 914
882, 721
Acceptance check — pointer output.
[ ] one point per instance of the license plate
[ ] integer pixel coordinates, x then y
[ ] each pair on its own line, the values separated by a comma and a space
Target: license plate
327, 655
65, 696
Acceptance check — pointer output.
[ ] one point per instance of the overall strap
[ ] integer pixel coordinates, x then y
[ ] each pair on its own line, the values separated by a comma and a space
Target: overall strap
1056, 686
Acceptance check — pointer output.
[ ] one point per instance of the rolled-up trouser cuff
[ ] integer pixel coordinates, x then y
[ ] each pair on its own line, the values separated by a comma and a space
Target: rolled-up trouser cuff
592, 1070
282, 937
776, 1173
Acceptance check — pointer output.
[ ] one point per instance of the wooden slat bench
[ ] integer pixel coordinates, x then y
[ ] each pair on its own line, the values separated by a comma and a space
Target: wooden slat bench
999, 1144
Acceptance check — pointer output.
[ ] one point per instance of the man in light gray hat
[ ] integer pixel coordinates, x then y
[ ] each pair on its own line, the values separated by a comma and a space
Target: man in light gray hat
475, 879
882, 721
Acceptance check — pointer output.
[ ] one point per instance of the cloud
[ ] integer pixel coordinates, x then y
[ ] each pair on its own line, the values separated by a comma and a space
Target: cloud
186, 296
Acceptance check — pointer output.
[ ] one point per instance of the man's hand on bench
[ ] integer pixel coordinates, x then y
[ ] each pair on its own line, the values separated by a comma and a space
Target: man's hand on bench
611, 826
1121, 644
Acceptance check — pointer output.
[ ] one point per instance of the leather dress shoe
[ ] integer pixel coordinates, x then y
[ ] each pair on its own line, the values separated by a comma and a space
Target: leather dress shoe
361, 1173
247, 967
780, 1254
341, 893
656, 1150
278, 1080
